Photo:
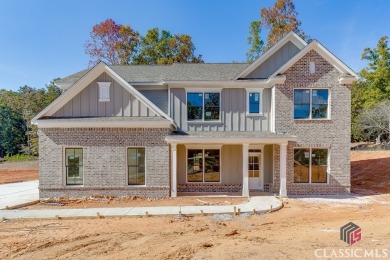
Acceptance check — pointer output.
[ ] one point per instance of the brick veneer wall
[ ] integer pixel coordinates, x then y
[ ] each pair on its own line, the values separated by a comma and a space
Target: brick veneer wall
333, 133
105, 161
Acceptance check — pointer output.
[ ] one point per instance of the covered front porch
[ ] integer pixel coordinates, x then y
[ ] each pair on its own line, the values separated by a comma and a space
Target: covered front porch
229, 163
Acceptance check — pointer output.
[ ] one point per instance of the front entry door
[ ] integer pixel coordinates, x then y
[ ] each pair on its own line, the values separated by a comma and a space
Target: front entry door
255, 171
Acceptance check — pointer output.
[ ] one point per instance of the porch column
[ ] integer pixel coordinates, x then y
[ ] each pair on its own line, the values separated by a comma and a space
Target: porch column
245, 176
173, 170
283, 170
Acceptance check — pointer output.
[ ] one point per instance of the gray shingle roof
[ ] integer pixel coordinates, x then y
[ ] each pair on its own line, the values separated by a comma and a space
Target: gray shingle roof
177, 71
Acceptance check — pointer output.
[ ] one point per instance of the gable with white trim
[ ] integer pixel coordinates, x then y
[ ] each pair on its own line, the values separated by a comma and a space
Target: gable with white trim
120, 102
274, 62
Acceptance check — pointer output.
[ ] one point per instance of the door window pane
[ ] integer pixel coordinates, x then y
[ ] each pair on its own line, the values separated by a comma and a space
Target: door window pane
74, 166
211, 169
319, 163
136, 166
254, 102
301, 165
211, 106
195, 165
194, 106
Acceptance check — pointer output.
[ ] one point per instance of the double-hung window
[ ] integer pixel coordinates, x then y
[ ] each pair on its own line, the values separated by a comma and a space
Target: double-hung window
204, 106
136, 166
310, 165
203, 165
74, 166
311, 103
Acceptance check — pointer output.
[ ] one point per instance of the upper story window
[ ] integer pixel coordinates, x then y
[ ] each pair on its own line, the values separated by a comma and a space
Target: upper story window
311, 103
204, 106
104, 91
254, 102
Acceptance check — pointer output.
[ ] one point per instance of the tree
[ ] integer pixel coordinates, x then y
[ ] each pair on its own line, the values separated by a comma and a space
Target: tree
377, 74
373, 85
112, 43
375, 121
279, 20
12, 130
255, 42
165, 48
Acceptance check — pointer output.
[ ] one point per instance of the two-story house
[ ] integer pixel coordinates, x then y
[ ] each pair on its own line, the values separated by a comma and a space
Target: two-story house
280, 124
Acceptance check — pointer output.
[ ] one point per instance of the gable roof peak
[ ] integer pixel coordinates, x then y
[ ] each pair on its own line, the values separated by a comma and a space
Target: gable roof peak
289, 37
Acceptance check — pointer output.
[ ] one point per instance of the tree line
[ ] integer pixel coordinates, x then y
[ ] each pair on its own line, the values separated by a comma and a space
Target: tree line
118, 44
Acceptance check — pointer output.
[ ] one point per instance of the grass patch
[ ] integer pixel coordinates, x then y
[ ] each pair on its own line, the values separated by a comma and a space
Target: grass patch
20, 158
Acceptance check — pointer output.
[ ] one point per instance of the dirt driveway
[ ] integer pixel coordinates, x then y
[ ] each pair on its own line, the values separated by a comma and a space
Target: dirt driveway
301, 229
11, 172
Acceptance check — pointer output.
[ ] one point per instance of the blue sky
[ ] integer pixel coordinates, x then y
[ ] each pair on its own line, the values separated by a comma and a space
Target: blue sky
42, 40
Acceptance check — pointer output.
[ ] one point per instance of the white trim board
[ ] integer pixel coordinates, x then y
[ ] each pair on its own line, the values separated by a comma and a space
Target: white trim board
84, 81
53, 123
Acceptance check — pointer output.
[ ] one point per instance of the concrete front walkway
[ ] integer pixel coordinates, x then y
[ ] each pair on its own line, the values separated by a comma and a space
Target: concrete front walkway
260, 203
18, 193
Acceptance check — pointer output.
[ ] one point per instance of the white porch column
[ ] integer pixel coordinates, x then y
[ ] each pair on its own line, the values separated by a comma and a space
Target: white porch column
283, 170
245, 176
173, 170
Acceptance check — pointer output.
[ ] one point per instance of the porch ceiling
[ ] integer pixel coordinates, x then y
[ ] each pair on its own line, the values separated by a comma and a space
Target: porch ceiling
229, 138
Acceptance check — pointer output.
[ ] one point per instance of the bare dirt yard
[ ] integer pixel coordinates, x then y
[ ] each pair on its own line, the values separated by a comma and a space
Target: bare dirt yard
304, 229
11, 172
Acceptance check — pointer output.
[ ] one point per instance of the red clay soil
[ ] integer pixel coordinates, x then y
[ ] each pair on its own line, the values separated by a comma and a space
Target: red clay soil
11, 176
11, 172
370, 172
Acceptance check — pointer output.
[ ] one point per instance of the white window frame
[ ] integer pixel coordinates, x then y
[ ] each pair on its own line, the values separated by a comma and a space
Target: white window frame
203, 148
104, 87
310, 158
204, 91
65, 176
311, 104
127, 167
250, 91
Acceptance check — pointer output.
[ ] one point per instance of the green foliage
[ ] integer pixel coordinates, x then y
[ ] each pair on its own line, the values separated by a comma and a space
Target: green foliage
119, 44
18, 108
12, 130
279, 20
255, 42
20, 158
165, 48
372, 88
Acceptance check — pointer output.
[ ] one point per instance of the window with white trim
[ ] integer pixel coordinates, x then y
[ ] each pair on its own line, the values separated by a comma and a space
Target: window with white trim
203, 165
253, 102
203, 106
74, 166
104, 91
136, 166
310, 165
311, 103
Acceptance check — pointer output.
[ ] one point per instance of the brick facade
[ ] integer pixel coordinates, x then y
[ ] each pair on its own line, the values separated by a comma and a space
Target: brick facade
333, 133
105, 161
